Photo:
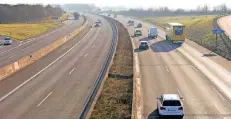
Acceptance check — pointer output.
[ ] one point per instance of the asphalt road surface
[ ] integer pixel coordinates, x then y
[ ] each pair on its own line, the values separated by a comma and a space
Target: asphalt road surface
225, 24
57, 86
165, 70
11, 53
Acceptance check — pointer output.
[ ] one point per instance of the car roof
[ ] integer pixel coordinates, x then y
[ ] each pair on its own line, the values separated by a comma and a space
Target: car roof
171, 97
143, 42
175, 24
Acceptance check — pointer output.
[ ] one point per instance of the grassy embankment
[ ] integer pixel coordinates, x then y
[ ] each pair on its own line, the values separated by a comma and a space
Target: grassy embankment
199, 30
23, 31
115, 101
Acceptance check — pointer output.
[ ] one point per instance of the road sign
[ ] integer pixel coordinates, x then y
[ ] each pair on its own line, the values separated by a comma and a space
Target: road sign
218, 31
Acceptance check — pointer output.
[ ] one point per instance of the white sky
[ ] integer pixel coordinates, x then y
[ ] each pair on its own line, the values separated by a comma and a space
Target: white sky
186, 4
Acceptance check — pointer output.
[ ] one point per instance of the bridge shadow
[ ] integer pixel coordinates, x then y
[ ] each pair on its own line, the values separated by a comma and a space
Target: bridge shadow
164, 46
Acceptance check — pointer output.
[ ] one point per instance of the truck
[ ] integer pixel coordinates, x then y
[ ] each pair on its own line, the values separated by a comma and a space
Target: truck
152, 32
175, 32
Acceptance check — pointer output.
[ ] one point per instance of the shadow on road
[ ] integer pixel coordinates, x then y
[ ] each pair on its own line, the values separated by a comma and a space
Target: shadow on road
164, 46
139, 50
146, 39
209, 55
153, 115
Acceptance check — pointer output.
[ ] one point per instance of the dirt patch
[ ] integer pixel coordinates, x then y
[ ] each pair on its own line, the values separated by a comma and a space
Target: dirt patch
115, 101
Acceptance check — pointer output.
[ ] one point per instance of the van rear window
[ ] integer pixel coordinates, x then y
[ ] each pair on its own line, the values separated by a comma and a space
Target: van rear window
171, 103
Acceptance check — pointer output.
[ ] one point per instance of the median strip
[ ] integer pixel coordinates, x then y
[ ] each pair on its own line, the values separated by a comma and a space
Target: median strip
115, 99
27, 60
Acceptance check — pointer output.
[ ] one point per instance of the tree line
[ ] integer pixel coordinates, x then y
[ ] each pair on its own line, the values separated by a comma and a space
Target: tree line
27, 13
165, 11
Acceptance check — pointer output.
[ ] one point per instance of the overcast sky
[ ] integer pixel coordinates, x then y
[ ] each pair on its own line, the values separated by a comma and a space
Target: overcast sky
173, 4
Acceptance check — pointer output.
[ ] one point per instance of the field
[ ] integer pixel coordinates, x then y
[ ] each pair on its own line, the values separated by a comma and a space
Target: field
23, 31
115, 101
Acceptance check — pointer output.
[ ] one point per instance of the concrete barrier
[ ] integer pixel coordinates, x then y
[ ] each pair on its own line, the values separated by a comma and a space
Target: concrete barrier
27, 60
137, 100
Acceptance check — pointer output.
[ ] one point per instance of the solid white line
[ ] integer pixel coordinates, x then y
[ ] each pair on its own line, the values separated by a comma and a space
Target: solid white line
93, 46
167, 68
194, 68
85, 56
178, 91
11, 92
44, 99
71, 70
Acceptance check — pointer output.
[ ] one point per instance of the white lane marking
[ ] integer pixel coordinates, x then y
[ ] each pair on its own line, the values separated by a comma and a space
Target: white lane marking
71, 70
25, 82
44, 99
93, 46
11, 56
170, 46
167, 68
194, 68
85, 56
178, 91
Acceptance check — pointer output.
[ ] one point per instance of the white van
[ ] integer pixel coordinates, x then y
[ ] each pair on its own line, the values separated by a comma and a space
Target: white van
152, 32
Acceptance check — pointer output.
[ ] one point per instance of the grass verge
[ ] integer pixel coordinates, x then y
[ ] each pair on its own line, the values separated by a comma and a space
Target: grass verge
23, 31
199, 30
115, 101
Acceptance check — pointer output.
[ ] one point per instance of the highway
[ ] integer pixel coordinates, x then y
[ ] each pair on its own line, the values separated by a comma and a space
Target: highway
167, 68
225, 24
11, 53
57, 86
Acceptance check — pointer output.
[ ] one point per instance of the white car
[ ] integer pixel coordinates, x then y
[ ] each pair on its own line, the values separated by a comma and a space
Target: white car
7, 41
170, 105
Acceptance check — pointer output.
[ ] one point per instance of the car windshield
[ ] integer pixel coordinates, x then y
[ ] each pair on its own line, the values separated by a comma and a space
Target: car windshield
171, 103
143, 43
7, 38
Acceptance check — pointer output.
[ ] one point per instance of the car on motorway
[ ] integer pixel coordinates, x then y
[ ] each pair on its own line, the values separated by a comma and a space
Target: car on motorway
170, 105
143, 45
137, 32
97, 25
139, 25
131, 23
98, 22
152, 32
7, 41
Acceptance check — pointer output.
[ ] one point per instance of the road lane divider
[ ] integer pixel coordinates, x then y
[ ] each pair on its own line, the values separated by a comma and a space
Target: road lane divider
27, 60
44, 99
85, 56
41, 71
71, 70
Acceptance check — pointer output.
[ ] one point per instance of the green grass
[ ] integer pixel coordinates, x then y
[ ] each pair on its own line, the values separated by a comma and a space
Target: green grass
198, 28
187, 20
24, 31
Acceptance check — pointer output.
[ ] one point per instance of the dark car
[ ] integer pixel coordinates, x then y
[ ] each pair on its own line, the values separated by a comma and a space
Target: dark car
97, 25
143, 45
139, 25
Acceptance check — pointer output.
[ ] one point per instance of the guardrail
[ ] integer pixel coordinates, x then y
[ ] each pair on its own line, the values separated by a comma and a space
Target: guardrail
224, 42
102, 74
